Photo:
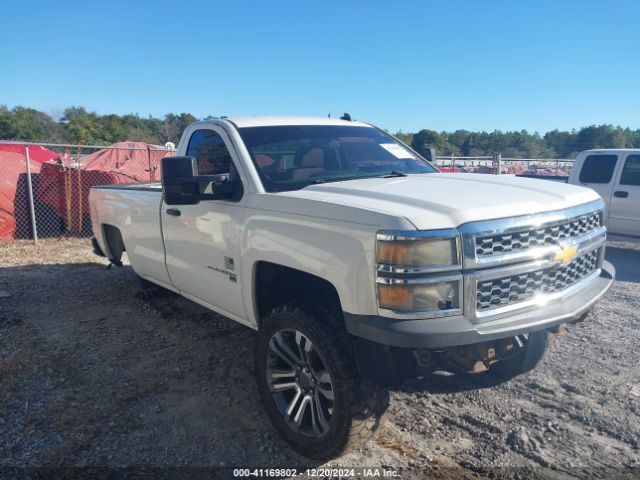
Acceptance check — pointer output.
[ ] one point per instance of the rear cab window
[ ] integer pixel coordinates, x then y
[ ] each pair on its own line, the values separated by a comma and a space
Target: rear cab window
598, 169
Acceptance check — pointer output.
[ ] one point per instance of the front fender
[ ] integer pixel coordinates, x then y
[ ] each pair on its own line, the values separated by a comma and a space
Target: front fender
341, 253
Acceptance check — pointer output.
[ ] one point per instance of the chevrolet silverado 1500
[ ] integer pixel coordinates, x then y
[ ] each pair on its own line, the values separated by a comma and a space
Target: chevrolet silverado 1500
357, 262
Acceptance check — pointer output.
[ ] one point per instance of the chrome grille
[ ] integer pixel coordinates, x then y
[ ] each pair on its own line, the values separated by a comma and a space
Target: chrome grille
512, 289
536, 237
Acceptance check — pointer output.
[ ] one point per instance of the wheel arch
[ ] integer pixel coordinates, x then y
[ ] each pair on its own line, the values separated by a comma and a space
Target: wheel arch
275, 284
113, 242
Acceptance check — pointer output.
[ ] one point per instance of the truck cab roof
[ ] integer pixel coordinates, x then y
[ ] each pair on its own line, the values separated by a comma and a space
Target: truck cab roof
268, 121
612, 150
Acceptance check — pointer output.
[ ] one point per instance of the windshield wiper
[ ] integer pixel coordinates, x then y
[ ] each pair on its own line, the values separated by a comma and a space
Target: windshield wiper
394, 173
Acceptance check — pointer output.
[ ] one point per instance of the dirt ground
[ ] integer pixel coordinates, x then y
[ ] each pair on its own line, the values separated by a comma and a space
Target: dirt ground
96, 372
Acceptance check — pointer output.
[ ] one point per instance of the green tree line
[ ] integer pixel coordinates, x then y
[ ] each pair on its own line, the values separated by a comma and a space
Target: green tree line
76, 125
522, 144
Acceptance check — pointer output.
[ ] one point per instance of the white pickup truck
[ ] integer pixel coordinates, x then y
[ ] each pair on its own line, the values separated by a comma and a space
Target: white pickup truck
357, 262
615, 175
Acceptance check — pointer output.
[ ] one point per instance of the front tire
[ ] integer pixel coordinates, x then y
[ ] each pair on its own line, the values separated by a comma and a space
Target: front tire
309, 385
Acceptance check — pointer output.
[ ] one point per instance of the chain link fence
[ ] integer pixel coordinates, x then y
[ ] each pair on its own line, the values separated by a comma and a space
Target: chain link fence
497, 164
44, 188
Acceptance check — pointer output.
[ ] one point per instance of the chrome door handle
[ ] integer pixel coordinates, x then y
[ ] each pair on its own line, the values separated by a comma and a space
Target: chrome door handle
174, 212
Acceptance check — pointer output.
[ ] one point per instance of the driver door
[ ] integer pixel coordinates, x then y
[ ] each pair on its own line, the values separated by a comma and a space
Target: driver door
202, 241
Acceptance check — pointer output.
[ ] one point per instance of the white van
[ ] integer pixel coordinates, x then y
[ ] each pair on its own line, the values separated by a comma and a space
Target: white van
615, 175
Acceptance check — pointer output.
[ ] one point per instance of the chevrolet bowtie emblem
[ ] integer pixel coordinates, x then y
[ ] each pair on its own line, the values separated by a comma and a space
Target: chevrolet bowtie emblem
567, 254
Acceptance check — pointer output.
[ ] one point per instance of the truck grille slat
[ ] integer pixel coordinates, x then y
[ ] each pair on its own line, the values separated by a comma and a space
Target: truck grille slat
512, 289
535, 237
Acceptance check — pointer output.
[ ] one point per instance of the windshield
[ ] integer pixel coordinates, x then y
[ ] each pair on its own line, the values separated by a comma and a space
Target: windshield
292, 157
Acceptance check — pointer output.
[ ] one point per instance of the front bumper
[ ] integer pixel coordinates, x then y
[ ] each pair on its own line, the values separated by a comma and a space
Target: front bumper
459, 330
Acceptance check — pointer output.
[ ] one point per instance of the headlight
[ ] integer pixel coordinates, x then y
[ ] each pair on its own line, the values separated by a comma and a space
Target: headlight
419, 273
422, 250
419, 297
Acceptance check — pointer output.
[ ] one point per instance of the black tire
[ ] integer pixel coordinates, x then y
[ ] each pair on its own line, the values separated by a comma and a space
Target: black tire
537, 347
358, 407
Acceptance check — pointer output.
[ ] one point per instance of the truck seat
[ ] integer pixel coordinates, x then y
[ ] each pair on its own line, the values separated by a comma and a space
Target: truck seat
311, 163
264, 161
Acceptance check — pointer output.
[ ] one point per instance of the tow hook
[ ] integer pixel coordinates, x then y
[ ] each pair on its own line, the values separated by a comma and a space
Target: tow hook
473, 358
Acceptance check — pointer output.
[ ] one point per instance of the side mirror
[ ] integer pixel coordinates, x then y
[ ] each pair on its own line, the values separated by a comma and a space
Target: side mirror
181, 186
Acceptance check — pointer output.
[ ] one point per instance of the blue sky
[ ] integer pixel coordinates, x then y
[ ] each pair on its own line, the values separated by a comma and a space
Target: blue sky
403, 65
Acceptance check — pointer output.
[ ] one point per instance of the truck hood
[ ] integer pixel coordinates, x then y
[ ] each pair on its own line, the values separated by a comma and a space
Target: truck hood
441, 200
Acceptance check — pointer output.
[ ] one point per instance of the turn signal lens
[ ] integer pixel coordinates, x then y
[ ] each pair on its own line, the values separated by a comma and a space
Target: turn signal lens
395, 297
394, 253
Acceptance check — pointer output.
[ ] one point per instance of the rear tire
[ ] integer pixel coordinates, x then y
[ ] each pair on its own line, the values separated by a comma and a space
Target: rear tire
537, 347
309, 384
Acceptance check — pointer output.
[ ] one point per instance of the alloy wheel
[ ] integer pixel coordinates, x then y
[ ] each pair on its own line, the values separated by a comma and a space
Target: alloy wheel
300, 383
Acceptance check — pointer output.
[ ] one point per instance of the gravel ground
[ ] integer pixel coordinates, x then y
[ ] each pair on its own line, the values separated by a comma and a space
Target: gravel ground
96, 372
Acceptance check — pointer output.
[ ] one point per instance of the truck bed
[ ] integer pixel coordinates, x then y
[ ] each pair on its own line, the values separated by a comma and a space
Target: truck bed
134, 210
145, 186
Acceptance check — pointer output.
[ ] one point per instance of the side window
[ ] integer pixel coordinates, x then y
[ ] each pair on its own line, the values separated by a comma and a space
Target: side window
598, 168
631, 171
210, 151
